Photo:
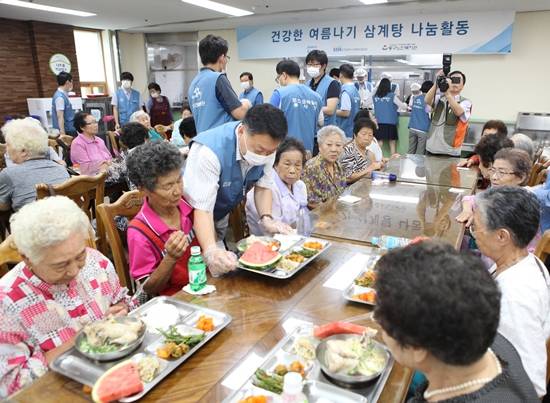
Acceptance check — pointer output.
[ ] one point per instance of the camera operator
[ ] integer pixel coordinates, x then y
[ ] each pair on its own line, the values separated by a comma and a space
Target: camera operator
451, 112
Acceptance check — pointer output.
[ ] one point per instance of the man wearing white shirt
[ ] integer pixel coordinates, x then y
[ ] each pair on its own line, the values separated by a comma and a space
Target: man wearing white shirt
224, 163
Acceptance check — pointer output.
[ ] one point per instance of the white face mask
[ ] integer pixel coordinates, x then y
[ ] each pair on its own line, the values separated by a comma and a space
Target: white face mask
245, 85
126, 84
256, 159
313, 71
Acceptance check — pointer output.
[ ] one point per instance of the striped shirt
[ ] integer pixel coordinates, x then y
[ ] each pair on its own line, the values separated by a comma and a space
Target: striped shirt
353, 161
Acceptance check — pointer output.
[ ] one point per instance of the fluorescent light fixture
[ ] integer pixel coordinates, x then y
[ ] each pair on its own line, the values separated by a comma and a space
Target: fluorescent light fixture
371, 2
221, 8
43, 7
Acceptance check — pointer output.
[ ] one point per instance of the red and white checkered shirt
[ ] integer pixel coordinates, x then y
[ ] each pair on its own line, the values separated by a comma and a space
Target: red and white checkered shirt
36, 317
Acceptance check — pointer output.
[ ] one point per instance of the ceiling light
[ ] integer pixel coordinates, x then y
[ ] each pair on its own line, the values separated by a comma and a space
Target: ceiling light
43, 7
370, 2
221, 8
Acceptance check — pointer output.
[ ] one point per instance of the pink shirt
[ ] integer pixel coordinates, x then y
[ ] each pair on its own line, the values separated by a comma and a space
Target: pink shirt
142, 257
85, 150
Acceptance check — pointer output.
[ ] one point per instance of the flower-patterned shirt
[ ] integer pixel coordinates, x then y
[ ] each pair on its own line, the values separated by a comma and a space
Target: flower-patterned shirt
37, 317
321, 186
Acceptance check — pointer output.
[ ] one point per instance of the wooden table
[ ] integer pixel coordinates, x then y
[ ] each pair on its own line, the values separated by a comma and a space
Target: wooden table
261, 308
397, 209
432, 170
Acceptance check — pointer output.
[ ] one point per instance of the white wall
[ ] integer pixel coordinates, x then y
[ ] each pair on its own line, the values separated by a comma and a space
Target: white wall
500, 86
134, 59
263, 70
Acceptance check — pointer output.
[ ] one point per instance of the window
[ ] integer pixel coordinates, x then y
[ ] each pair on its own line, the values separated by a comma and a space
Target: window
91, 67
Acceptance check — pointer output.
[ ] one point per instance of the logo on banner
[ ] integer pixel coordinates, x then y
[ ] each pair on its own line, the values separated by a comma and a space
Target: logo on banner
59, 63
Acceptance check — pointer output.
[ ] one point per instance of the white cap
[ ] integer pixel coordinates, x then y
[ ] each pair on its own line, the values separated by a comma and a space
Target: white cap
360, 72
415, 87
195, 250
385, 75
292, 383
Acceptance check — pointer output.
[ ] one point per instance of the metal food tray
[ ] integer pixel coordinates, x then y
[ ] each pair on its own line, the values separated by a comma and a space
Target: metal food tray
316, 384
74, 365
354, 289
284, 274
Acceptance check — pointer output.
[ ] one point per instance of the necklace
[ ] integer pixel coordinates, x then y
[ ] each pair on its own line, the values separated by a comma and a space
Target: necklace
465, 385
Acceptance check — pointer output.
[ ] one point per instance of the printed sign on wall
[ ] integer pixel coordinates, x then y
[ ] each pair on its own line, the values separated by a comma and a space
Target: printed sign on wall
483, 32
59, 62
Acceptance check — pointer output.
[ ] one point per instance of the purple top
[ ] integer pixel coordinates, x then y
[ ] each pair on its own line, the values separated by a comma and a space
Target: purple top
284, 207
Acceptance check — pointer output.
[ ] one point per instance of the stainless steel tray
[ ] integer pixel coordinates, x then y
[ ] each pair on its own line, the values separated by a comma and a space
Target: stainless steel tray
354, 289
317, 385
284, 274
74, 365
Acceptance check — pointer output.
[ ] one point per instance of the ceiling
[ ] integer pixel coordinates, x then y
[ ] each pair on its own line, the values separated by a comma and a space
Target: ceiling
175, 16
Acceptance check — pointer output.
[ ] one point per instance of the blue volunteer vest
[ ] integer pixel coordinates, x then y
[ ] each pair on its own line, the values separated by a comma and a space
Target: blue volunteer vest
322, 89
222, 140
301, 106
126, 105
207, 110
251, 95
420, 120
385, 110
346, 124
68, 112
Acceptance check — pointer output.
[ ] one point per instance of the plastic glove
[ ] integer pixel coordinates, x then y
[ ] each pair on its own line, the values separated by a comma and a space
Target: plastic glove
276, 227
219, 261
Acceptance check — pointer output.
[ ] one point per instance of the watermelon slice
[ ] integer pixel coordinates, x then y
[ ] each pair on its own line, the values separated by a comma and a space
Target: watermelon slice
259, 256
120, 381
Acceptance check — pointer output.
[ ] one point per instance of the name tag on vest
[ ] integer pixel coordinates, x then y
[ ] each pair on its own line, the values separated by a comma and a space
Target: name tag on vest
226, 184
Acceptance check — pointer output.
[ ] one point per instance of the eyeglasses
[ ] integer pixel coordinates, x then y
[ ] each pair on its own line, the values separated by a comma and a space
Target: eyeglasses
228, 57
94, 122
499, 173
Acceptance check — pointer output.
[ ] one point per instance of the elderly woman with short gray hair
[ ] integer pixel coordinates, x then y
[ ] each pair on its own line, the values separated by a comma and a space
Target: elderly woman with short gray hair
143, 118
27, 147
60, 286
160, 235
523, 142
505, 220
323, 175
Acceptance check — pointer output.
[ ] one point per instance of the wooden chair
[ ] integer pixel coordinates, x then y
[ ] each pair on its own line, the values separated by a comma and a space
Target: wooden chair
86, 191
128, 205
237, 222
543, 246
113, 141
537, 167
541, 177
8, 255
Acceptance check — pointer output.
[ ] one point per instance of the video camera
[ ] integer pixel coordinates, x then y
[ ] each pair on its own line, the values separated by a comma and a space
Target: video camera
442, 83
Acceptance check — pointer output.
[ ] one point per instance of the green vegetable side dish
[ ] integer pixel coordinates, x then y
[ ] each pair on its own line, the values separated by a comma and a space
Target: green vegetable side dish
307, 253
172, 335
106, 348
272, 383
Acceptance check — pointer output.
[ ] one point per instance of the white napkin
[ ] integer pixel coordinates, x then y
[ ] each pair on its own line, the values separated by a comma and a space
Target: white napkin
345, 274
207, 289
350, 199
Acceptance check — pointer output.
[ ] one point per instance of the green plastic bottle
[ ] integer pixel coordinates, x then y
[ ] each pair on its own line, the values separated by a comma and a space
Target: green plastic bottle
197, 269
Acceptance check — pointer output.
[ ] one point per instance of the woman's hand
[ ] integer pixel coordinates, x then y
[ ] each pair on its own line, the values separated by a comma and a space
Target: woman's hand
119, 309
176, 245
466, 217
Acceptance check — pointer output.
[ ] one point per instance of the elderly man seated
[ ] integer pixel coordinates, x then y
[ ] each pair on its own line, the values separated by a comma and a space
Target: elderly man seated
60, 286
27, 147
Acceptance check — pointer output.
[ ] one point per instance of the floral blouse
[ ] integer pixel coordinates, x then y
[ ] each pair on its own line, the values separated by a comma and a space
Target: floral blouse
321, 186
37, 317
